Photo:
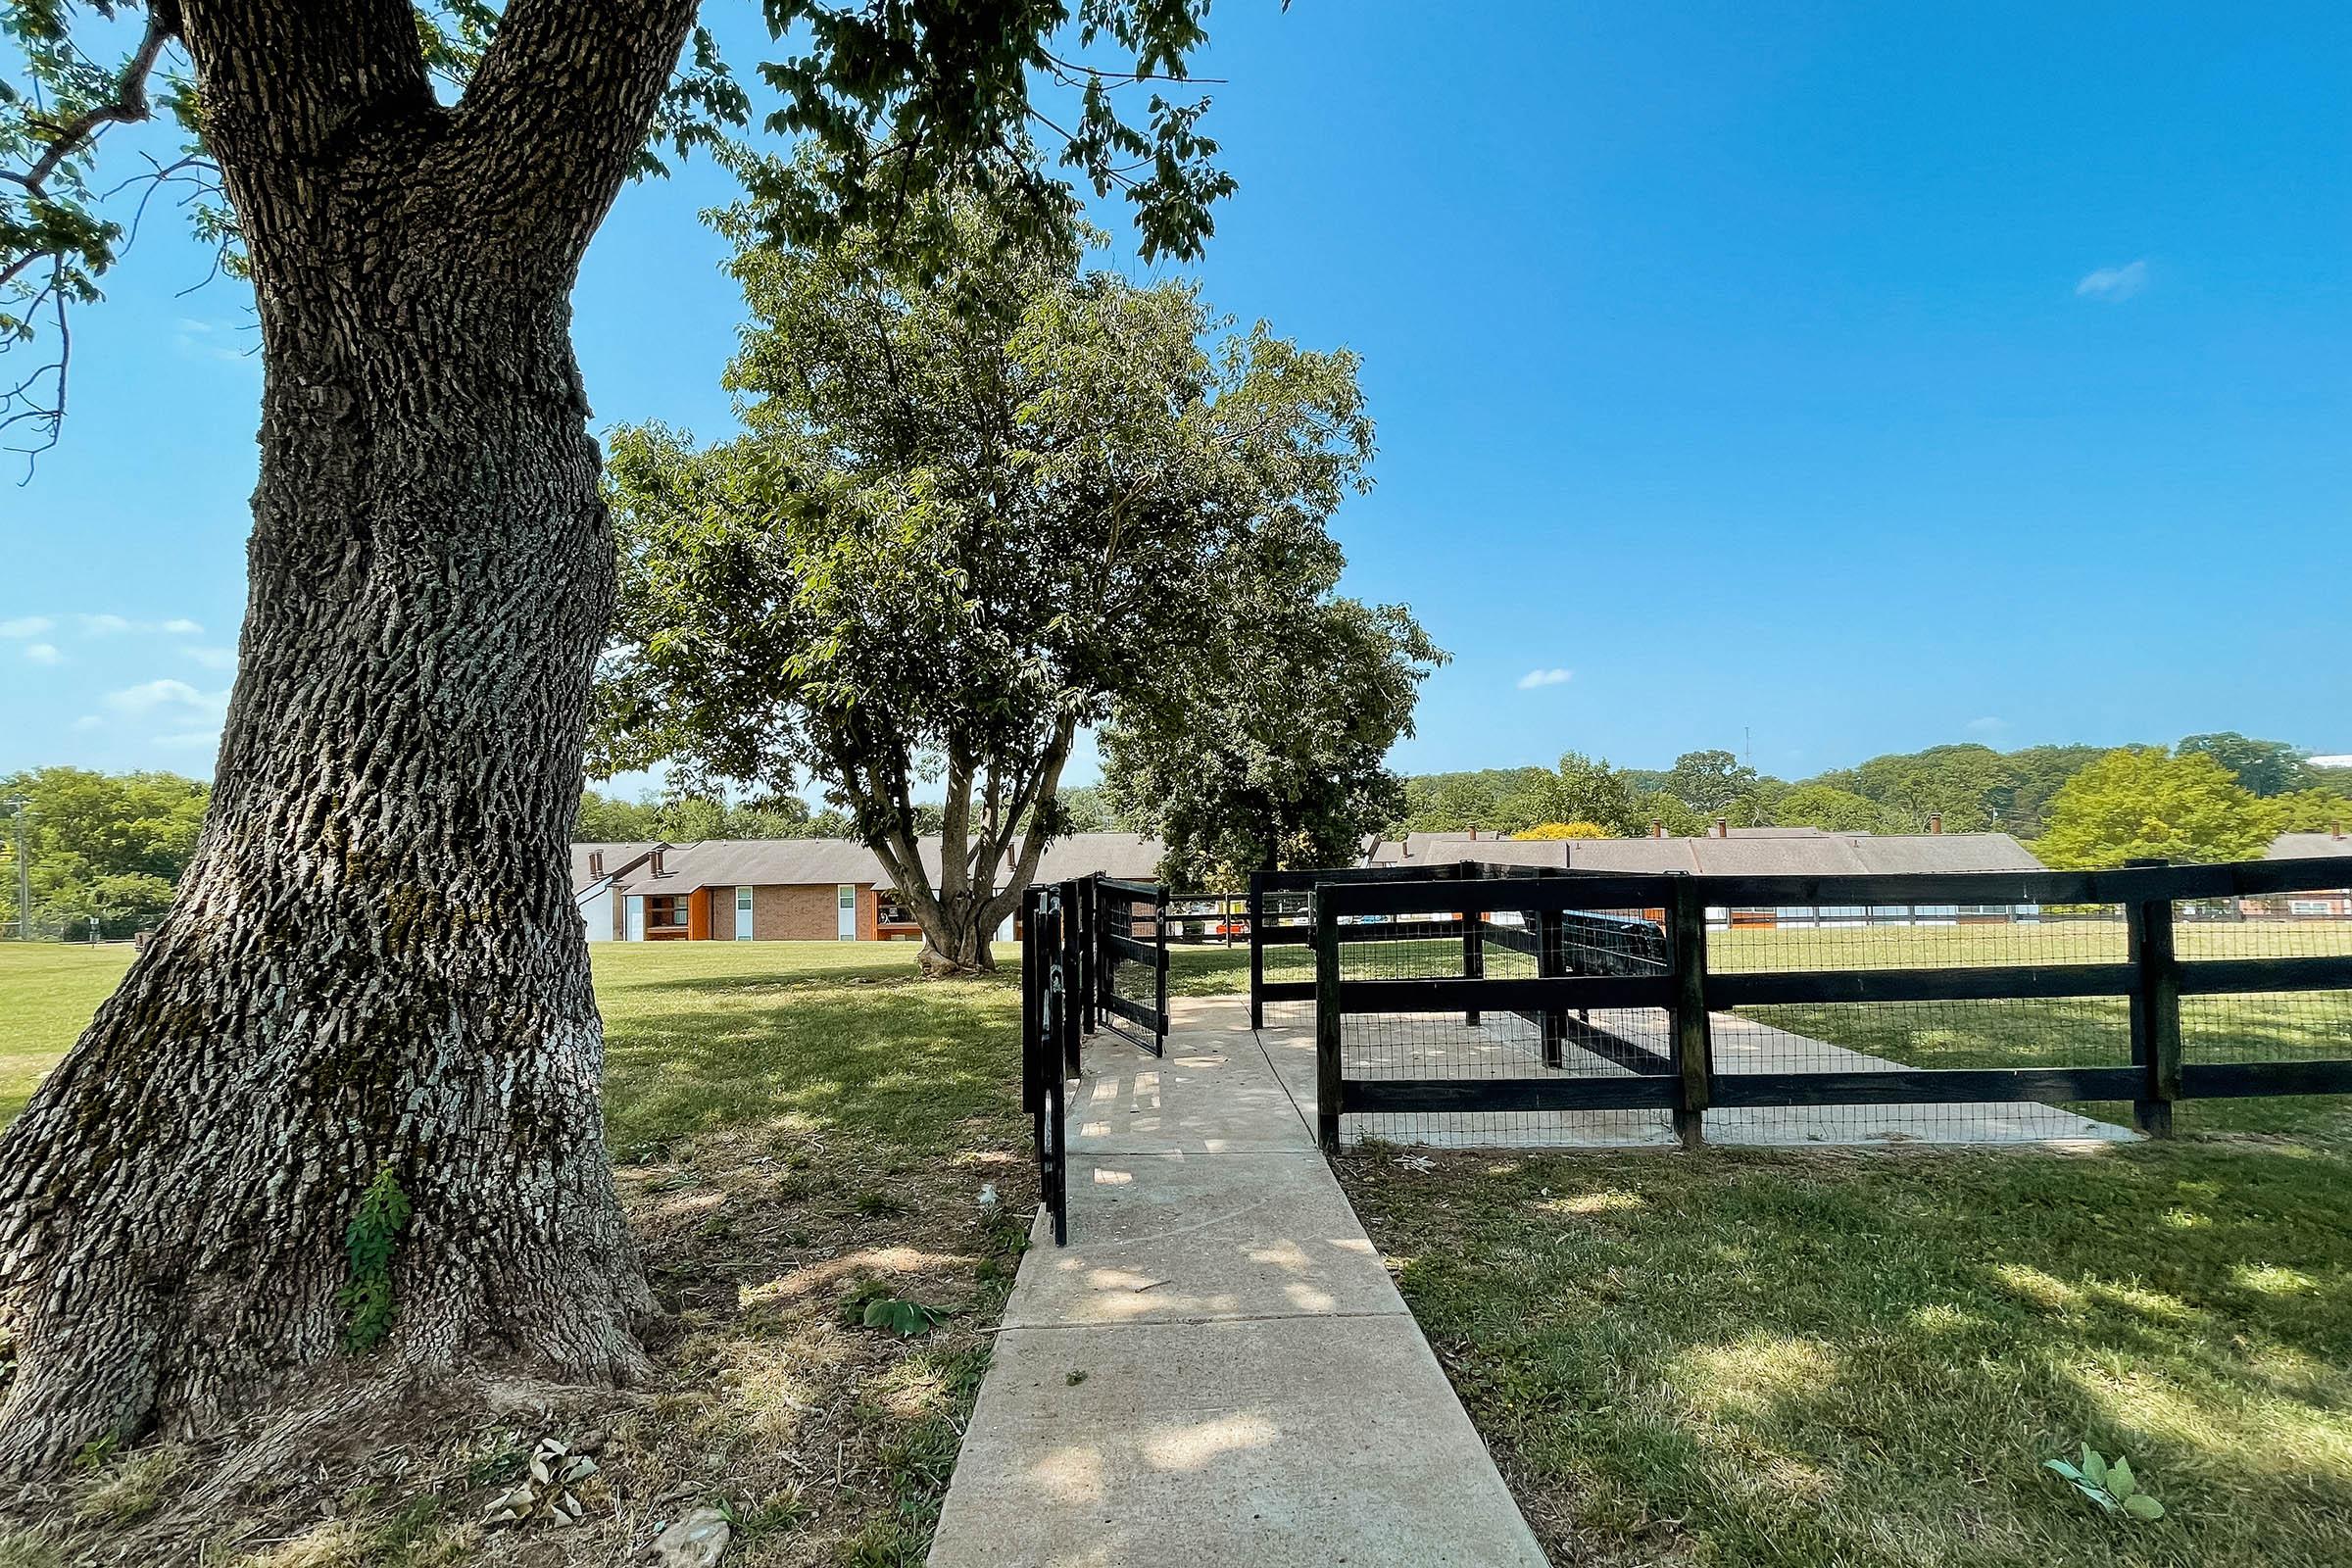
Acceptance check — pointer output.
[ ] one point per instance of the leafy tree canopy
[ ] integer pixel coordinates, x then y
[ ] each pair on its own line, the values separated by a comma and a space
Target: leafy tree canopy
2266, 768
977, 505
1709, 781
899, 98
1824, 806
2142, 802
1563, 830
102, 847
1268, 747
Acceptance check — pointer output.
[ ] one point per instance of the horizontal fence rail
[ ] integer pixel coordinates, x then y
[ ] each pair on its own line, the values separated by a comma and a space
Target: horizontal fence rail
1638, 950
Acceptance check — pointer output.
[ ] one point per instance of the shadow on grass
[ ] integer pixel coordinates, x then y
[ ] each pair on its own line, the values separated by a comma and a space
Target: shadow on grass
909, 1065
1864, 1359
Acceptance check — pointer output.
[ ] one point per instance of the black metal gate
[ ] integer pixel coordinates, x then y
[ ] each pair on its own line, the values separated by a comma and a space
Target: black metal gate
1131, 944
1091, 951
1053, 1007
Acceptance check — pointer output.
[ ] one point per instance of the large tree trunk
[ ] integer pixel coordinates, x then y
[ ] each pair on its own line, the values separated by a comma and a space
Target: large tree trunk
375, 964
958, 940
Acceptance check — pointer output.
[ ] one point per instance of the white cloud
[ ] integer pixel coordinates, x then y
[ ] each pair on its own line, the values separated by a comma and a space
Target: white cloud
2339, 759
2113, 283
43, 654
87, 722
1545, 677
1986, 726
204, 339
212, 657
26, 626
118, 625
168, 695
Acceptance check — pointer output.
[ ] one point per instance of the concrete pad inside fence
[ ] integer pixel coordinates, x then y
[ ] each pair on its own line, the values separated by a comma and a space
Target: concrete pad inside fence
1442, 1046
1276, 1443
1174, 1238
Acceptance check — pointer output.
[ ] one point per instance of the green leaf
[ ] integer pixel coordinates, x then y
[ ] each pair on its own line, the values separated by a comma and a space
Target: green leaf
2120, 1479
904, 1318
2093, 1466
2139, 1505
2064, 1469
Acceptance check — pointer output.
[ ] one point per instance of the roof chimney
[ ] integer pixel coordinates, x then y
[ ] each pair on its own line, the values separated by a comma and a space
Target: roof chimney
656, 867
1935, 821
1474, 833
2335, 829
1657, 827
596, 863
1722, 827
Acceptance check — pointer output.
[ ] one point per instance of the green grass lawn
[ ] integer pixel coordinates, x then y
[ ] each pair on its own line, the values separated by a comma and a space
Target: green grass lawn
800, 1128
47, 994
1818, 1359
1739, 1358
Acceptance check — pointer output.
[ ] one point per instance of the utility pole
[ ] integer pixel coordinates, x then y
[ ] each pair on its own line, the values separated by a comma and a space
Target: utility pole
21, 806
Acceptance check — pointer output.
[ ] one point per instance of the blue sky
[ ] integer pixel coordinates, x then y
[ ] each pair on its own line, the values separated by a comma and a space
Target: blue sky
1849, 376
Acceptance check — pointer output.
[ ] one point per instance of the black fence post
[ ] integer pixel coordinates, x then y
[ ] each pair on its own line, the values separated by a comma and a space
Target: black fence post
1032, 1010
2155, 1010
1102, 964
1159, 978
1474, 942
1257, 949
1551, 960
1328, 1075
1693, 1031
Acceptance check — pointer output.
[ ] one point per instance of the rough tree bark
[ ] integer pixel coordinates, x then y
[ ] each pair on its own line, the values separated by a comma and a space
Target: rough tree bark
374, 962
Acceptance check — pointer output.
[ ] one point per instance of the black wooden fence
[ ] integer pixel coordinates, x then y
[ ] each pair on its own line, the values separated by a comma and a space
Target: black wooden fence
1600, 942
1282, 913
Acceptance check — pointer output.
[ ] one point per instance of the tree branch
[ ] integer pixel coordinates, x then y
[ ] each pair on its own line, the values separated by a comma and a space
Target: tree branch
128, 106
558, 110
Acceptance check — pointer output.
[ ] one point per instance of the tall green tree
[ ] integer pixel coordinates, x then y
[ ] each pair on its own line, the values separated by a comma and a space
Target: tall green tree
1586, 789
1709, 781
375, 942
105, 849
2142, 802
1272, 750
981, 504
2266, 768
1824, 806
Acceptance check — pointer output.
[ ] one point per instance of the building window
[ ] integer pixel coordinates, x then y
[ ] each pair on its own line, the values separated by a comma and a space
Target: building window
665, 911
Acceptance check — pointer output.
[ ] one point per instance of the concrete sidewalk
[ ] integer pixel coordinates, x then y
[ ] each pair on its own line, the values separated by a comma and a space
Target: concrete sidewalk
1217, 1369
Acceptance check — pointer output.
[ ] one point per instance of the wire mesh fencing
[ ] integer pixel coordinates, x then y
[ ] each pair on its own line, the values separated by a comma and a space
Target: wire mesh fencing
1976, 1009
1921, 1033
1132, 954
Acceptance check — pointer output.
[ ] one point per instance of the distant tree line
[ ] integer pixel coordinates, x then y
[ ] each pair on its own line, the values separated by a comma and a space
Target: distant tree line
2212, 796
105, 849
108, 848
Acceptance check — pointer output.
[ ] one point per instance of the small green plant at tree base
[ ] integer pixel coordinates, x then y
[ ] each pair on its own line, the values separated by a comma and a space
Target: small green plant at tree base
2113, 1486
92, 1456
370, 1242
